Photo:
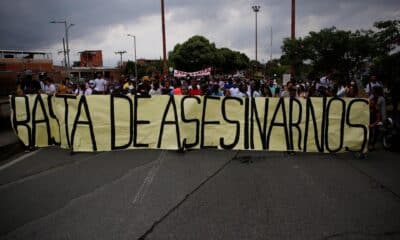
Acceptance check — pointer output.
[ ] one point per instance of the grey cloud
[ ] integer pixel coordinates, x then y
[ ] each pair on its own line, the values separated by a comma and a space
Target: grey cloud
24, 24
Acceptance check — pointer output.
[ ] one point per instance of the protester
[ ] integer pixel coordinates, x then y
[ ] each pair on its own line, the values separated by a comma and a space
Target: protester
155, 89
167, 89
100, 85
375, 120
185, 90
177, 87
49, 86
215, 91
144, 87
194, 88
88, 89
128, 87
62, 87
80, 90
373, 82
30, 85
352, 89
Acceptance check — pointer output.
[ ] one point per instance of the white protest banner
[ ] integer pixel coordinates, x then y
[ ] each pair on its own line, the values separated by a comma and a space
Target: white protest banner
204, 72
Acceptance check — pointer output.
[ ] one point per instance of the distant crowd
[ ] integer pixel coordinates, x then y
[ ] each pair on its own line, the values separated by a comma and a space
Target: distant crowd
205, 86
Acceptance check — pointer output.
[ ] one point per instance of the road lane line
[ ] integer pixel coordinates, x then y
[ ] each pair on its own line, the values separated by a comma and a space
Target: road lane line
47, 171
149, 178
19, 159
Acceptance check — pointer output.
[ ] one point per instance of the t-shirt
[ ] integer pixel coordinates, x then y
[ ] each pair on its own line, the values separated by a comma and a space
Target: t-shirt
370, 86
193, 92
100, 84
88, 91
155, 92
324, 82
234, 91
50, 89
178, 91
256, 94
62, 89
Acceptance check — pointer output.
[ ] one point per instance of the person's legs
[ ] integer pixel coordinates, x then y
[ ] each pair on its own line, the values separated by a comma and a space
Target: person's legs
372, 138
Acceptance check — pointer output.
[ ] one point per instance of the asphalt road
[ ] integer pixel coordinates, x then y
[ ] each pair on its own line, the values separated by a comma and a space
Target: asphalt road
207, 194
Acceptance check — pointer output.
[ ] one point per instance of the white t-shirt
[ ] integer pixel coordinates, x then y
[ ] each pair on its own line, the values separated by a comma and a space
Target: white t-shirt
234, 91
100, 84
256, 94
78, 91
370, 86
240, 94
341, 92
324, 82
88, 91
155, 92
50, 89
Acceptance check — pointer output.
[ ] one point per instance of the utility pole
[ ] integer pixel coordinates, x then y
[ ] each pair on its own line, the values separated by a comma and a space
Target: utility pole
120, 53
67, 27
163, 39
293, 19
256, 9
65, 54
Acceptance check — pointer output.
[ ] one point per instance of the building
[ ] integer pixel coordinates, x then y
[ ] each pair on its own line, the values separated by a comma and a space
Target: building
19, 61
14, 63
91, 64
91, 58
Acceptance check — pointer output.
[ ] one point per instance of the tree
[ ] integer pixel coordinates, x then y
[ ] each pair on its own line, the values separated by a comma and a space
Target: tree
274, 68
330, 50
388, 35
194, 54
229, 61
296, 52
149, 68
198, 53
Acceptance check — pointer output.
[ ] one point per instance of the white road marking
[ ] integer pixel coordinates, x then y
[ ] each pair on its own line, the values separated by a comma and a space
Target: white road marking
19, 159
149, 179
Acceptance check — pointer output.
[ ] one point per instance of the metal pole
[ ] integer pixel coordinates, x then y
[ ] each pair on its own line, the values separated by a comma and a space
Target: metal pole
163, 38
256, 39
65, 54
256, 9
66, 39
293, 19
134, 41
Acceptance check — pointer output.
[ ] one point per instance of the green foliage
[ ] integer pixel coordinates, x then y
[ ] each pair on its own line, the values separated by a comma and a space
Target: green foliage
343, 52
388, 35
153, 67
198, 53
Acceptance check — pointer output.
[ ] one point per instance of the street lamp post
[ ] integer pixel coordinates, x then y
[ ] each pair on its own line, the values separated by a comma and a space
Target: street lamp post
67, 26
134, 47
163, 38
256, 9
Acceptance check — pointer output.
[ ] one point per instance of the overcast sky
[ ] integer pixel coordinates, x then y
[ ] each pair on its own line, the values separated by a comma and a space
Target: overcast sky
103, 24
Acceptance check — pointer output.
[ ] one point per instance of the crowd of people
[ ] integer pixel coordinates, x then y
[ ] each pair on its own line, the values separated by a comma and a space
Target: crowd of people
208, 85
326, 86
